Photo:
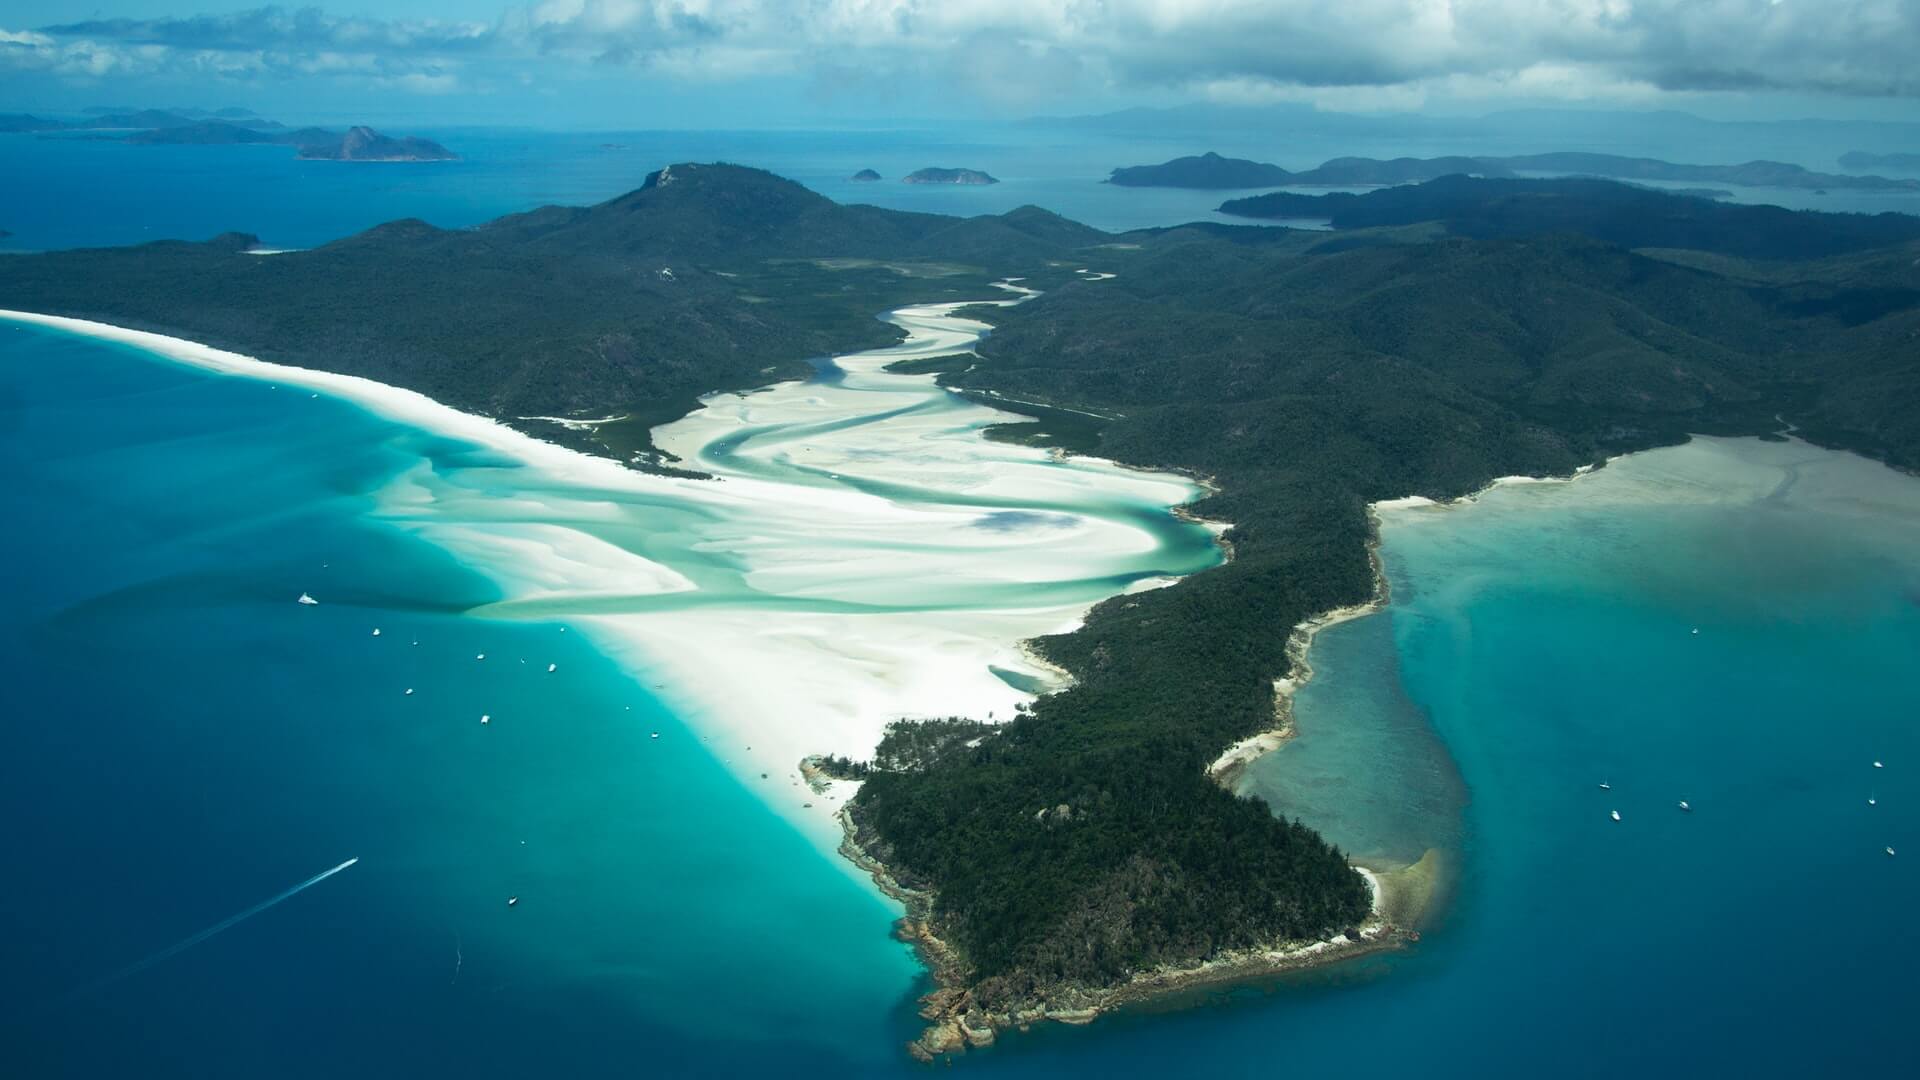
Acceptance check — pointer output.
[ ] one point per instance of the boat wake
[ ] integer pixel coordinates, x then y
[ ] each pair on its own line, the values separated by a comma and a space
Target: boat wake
184, 944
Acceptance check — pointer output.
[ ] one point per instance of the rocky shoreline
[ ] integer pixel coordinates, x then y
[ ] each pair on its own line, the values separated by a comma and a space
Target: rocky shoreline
957, 1021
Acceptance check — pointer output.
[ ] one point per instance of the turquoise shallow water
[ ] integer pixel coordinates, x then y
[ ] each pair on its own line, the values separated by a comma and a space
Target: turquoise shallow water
1545, 635
183, 740
180, 740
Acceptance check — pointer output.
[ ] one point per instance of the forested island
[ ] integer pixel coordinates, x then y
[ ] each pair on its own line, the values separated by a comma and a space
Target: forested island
947, 176
865, 176
1860, 159
1208, 170
1212, 171
1622, 214
1064, 859
233, 127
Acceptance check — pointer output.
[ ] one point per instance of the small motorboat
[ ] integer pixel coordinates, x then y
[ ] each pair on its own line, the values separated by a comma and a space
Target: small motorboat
512, 900
550, 668
305, 599
481, 656
1877, 765
409, 691
1889, 850
656, 735
484, 717
1604, 786
376, 631
1871, 801
1696, 631
1684, 807
1614, 814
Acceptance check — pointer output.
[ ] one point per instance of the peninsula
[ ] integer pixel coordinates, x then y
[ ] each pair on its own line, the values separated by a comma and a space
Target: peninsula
1079, 855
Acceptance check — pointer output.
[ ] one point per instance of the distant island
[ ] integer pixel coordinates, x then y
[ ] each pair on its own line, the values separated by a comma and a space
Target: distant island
1377, 172
1611, 212
1208, 170
366, 144
865, 176
234, 127
947, 176
1860, 159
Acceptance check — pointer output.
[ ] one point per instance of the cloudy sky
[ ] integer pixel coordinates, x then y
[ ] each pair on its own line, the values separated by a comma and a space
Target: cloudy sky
743, 63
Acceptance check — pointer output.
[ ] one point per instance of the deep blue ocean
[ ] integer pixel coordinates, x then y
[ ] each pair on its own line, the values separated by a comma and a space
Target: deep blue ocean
181, 741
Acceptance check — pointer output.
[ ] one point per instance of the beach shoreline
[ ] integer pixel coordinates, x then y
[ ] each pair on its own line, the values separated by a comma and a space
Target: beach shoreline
1233, 762
843, 659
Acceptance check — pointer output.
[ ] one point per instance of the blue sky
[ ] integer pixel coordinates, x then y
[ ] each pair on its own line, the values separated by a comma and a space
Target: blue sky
752, 63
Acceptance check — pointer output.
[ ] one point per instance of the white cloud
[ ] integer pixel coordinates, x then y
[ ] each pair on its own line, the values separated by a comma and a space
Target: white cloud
1377, 53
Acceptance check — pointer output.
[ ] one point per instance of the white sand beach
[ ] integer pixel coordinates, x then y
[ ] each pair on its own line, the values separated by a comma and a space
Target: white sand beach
863, 555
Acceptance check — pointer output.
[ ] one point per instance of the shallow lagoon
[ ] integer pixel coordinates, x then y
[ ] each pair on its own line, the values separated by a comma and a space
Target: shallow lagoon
1545, 634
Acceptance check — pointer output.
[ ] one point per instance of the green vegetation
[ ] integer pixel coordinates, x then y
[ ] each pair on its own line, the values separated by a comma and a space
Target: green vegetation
1063, 429
1860, 159
1208, 170
948, 176
932, 365
1214, 171
1309, 377
1447, 335
1619, 214
707, 278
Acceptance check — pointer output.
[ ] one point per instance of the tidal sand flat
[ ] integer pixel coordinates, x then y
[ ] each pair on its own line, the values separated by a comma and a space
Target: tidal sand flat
861, 555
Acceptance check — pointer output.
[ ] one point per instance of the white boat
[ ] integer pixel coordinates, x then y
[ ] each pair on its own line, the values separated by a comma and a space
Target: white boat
1615, 814
512, 900
409, 691
1604, 786
305, 599
550, 668
1877, 765
1696, 631
1889, 850
482, 656
485, 717
1685, 807
656, 734
376, 631
1871, 801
